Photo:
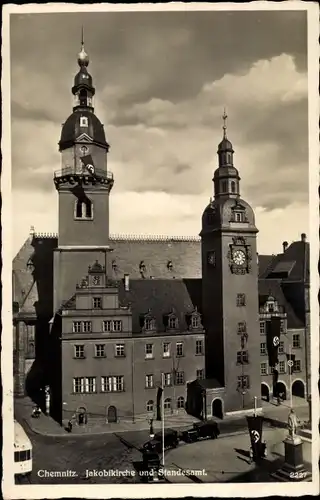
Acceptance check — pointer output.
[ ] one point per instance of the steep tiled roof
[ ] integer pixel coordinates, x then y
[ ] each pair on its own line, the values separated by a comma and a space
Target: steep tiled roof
158, 297
290, 264
273, 287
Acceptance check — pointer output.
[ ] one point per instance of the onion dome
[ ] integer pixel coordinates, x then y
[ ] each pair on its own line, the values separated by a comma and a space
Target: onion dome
79, 122
83, 58
83, 78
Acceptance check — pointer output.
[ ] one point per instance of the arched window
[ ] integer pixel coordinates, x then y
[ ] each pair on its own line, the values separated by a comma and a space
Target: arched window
83, 209
83, 97
180, 402
224, 186
233, 187
167, 404
150, 405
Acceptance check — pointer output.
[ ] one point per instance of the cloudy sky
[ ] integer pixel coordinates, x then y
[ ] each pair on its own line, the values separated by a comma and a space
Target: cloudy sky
162, 80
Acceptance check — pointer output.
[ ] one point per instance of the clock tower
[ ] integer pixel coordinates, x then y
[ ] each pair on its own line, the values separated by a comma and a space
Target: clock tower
230, 287
83, 184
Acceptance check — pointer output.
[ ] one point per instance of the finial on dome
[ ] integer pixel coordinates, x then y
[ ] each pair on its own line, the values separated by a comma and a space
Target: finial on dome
83, 58
224, 117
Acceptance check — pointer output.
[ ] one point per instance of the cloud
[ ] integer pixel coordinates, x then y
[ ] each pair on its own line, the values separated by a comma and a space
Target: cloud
162, 81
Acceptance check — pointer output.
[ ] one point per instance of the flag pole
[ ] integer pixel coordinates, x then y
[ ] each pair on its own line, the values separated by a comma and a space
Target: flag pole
255, 406
162, 411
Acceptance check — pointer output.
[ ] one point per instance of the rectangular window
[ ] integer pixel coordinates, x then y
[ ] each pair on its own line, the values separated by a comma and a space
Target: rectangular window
100, 351
270, 307
97, 303
263, 369
200, 374
76, 327
242, 357
179, 378
149, 324
117, 325
296, 341
149, 381
243, 382
262, 327
172, 323
79, 351
112, 325
167, 379
90, 384
242, 327
87, 326
107, 326
149, 351
263, 348
282, 326
166, 349
179, 351
195, 321
199, 346
282, 367
78, 384
281, 348
120, 352
297, 365
112, 384
241, 300
238, 216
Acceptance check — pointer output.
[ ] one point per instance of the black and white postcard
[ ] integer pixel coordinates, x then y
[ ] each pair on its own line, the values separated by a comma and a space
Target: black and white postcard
160, 279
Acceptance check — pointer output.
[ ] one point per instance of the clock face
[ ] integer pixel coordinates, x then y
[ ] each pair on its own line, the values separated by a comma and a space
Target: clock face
239, 257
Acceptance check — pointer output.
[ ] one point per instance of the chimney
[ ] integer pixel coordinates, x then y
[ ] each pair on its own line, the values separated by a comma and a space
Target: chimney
303, 237
126, 282
285, 245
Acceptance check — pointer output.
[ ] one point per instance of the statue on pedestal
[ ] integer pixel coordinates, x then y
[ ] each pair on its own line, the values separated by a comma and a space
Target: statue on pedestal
292, 424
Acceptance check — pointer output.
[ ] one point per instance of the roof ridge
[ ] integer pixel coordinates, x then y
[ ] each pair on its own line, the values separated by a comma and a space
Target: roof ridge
151, 237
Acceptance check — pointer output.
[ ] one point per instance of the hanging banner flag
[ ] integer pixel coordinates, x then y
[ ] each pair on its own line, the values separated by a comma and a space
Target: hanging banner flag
273, 339
290, 360
88, 163
159, 394
255, 431
275, 377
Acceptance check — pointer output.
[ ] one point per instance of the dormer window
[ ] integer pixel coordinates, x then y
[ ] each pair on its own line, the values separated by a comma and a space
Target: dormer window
172, 322
149, 324
83, 209
83, 121
238, 216
194, 320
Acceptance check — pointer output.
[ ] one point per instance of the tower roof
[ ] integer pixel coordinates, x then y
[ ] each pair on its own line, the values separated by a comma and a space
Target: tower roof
71, 129
225, 144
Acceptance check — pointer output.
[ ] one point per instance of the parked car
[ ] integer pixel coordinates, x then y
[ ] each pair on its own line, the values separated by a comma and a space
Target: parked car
207, 429
171, 440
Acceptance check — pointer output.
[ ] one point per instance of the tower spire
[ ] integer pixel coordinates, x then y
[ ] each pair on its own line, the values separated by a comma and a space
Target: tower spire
83, 58
224, 117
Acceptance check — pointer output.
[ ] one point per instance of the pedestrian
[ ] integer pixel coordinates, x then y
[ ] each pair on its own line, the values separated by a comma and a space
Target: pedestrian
251, 455
278, 400
151, 429
69, 426
265, 451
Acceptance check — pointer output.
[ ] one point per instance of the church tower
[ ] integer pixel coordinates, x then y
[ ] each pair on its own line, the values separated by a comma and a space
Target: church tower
83, 188
230, 286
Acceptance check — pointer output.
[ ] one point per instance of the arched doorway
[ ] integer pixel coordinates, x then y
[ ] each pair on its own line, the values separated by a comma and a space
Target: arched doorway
217, 410
82, 417
265, 392
282, 390
112, 414
298, 389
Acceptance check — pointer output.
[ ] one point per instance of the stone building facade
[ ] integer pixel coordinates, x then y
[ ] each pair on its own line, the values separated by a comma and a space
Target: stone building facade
99, 318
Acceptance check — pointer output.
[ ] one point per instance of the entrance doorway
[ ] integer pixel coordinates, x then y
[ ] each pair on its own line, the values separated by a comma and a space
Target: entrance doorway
282, 390
217, 410
298, 389
82, 416
112, 414
265, 393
